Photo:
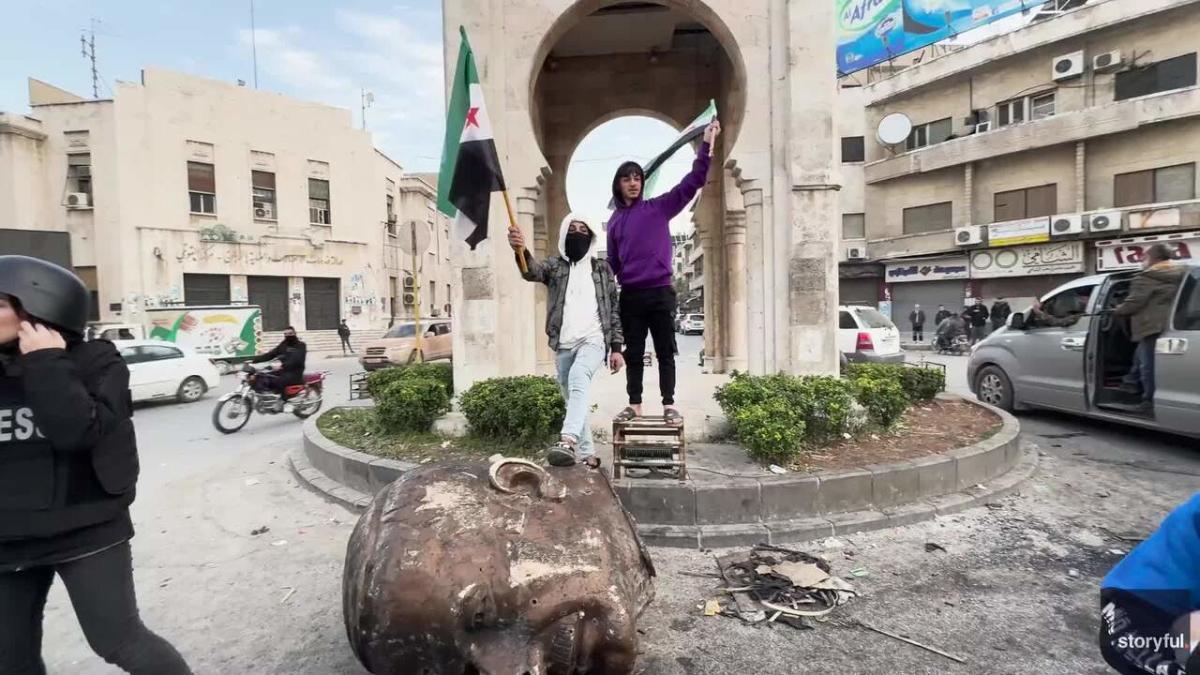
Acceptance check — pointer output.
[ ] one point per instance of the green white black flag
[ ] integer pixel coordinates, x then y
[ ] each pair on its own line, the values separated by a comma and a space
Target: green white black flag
470, 170
690, 133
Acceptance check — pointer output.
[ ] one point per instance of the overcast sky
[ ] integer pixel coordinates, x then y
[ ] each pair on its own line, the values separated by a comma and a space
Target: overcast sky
318, 51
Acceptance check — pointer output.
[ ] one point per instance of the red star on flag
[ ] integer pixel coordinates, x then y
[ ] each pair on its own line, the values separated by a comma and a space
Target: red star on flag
471, 119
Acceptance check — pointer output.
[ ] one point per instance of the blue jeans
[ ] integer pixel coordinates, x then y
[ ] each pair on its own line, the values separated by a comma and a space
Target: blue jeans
1145, 366
576, 368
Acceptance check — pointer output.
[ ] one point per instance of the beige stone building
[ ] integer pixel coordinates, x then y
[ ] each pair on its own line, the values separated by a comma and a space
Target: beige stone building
183, 190
552, 70
1065, 147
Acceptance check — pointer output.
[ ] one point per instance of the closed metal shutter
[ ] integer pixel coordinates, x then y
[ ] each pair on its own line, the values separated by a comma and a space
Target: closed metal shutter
271, 294
321, 303
929, 294
201, 290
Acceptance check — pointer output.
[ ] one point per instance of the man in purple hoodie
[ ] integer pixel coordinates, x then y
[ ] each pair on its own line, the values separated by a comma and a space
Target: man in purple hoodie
639, 253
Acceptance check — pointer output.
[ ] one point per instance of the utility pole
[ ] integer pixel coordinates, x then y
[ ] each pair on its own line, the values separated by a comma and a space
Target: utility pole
366, 99
253, 44
87, 46
417, 332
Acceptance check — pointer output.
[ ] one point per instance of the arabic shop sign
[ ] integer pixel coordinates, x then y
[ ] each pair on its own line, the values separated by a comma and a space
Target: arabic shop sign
1015, 232
1130, 253
941, 269
1061, 258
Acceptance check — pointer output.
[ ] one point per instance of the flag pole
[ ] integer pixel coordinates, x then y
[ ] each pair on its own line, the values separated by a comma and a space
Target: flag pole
512, 225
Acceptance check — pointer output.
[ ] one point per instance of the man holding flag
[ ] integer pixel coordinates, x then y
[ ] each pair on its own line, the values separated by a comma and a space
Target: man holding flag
639, 252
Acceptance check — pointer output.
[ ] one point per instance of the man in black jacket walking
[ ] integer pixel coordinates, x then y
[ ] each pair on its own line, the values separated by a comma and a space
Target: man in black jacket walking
917, 319
68, 468
977, 319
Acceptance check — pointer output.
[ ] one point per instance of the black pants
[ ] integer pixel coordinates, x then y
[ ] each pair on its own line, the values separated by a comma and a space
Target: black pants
346, 344
101, 590
1136, 637
919, 333
653, 310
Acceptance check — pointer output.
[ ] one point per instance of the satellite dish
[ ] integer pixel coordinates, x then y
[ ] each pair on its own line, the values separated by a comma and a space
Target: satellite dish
893, 129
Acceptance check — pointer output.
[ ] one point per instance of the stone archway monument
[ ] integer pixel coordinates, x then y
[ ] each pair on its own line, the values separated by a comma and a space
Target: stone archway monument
768, 219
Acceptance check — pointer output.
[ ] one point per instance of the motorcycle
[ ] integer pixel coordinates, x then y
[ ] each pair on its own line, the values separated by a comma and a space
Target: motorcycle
233, 410
958, 345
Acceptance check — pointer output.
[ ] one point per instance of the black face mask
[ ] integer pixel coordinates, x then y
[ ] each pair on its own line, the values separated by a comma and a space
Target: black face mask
577, 246
291, 340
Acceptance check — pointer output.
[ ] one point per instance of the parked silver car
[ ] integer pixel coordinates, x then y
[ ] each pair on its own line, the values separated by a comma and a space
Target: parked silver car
1078, 367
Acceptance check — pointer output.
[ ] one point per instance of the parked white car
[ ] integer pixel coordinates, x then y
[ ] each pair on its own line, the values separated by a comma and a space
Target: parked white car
866, 336
692, 323
163, 370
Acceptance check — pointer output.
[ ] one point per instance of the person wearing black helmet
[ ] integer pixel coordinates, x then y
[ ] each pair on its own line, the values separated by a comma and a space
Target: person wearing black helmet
68, 468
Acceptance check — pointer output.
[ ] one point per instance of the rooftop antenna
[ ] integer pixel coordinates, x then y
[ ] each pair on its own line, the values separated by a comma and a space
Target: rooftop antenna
87, 47
366, 100
253, 44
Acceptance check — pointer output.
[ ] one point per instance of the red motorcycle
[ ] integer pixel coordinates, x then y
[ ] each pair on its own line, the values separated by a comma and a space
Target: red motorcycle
234, 409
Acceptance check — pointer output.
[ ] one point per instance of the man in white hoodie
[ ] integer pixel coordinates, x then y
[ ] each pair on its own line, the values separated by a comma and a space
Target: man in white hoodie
583, 323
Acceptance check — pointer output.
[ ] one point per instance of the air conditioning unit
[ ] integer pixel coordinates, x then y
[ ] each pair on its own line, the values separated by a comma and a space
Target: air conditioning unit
77, 200
1067, 66
1067, 224
1102, 63
410, 282
983, 127
410, 299
1106, 221
264, 211
968, 235
856, 252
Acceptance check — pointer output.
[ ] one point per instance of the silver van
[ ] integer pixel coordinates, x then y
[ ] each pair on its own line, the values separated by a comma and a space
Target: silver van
1077, 368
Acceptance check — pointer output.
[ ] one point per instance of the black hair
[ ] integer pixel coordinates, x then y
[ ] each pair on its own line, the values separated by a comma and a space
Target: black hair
626, 169
1159, 253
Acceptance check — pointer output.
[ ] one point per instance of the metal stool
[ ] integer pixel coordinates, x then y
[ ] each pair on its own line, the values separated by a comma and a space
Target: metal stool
649, 443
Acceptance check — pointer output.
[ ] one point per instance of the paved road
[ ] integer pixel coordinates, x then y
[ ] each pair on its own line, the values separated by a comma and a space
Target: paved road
1003, 596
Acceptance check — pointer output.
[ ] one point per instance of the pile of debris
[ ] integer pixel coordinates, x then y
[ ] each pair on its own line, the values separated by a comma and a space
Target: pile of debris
780, 585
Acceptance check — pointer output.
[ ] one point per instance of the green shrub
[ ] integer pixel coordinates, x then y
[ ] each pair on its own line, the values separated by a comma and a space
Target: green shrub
411, 404
811, 410
769, 430
439, 372
920, 384
527, 409
883, 397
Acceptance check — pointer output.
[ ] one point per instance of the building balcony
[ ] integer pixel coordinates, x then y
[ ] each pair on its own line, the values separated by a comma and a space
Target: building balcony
696, 283
1066, 127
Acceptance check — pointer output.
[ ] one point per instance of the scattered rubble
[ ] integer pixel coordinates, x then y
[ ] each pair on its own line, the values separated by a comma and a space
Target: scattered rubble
779, 585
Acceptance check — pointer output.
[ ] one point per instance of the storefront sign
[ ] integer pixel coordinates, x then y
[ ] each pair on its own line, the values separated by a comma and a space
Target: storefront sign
1015, 232
928, 270
1129, 253
1060, 258
1145, 220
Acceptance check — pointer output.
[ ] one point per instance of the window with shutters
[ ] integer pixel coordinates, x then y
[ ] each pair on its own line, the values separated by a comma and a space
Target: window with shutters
391, 216
853, 149
79, 174
202, 188
930, 133
1031, 202
318, 202
263, 188
928, 218
1165, 75
1167, 184
854, 226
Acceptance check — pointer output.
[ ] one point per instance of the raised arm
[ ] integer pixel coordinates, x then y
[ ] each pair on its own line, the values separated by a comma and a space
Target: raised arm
674, 201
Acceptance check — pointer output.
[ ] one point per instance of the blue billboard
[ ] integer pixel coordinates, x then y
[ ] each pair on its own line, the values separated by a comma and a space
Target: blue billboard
873, 31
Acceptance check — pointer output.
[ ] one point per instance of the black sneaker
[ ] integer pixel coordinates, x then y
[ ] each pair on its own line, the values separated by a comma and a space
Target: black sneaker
561, 454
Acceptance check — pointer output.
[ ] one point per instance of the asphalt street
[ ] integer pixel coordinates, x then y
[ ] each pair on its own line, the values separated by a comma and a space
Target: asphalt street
1014, 593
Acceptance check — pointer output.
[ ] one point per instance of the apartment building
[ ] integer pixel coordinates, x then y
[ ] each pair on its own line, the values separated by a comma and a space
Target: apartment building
182, 190
1063, 148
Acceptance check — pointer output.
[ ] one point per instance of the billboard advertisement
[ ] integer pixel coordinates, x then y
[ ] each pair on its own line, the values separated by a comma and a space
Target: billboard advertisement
215, 332
873, 31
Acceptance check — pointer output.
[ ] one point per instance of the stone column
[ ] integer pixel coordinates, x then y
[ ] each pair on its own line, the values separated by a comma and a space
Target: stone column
540, 246
736, 312
1080, 176
969, 195
756, 280
712, 300
811, 231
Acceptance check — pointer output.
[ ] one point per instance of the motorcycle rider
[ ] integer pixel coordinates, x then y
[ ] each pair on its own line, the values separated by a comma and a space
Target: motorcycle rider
291, 354
949, 330
68, 471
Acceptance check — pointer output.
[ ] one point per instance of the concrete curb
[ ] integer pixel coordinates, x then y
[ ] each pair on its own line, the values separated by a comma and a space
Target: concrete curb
745, 511
800, 506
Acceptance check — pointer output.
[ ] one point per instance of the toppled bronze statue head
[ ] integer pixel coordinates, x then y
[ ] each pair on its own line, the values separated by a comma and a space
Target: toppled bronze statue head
496, 569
